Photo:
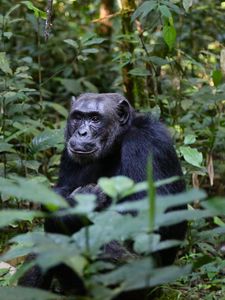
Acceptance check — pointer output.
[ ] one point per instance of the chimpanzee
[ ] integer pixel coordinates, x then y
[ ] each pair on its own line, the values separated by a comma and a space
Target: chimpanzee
106, 137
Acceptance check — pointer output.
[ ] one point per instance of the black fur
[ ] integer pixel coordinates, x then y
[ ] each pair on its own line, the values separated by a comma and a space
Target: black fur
127, 153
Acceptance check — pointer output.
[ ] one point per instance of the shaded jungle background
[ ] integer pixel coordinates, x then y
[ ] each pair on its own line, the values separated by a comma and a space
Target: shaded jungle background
166, 57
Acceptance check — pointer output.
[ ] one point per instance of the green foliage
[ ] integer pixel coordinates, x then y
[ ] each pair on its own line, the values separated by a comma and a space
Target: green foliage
187, 4
37, 12
31, 190
169, 35
20, 293
83, 252
4, 64
192, 156
177, 69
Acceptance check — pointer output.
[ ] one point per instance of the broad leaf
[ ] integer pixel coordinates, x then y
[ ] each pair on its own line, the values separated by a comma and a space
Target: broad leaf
72, 43
37, 12
25, 293
4, 64
189, 139
144, 9
9, 216
30, 190
165, 11
47, 139
139, 72
192, 156
116, 187
187, 4
93, 41
169, 35
5, 147
217, 77
158, 60
141, 274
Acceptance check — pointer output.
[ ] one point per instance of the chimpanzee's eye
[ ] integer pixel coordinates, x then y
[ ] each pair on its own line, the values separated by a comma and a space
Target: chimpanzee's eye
95, 119
76, 117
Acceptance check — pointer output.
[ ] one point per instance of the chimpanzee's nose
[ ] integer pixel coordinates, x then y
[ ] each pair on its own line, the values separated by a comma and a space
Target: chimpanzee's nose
82, 132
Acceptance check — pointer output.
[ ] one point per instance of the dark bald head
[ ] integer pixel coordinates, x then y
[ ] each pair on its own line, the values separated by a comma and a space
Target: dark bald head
102, 103
95, 124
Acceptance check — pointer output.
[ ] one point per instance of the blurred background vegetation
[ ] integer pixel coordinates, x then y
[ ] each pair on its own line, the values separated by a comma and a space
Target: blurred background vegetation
165, 56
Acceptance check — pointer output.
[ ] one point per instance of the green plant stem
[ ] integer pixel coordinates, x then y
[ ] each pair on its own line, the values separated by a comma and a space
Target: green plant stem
39, 67
87, 245
151, 196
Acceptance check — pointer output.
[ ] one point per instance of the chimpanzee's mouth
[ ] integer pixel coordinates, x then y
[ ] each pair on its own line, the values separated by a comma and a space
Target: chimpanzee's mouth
82, 151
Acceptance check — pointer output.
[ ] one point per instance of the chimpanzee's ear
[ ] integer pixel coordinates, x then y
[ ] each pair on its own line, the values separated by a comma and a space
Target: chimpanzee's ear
123, 111
73, 100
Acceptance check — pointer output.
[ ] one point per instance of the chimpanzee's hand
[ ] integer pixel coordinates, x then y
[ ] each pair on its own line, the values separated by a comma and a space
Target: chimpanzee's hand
102, 200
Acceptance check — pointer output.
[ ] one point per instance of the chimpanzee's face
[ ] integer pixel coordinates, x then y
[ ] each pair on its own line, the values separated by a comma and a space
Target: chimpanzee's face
95, 122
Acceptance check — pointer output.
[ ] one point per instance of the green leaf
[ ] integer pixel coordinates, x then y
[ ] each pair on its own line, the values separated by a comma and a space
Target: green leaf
217, 205
71, 85
30, 190
141, 274
85, 203
218, 221
17, 251
90, 50
14, 7
102, 232
37, 12
169, 201
132, 276
25, 293
77, 263
169, 35
47, 139
192, 156
175, 217
21, 69
39, 237
5, 147
31, 164
186, 104
89, 86
4, 64
57, 107
217, 77
93, 41
168, 274
163, 203
172, 6
158, 60
165, 11
9, 216
187, 4
145, 242
144, 9
189, 139
202, 260
139, 72
8, 34
72, 43
116, 187
122, 184
107, 187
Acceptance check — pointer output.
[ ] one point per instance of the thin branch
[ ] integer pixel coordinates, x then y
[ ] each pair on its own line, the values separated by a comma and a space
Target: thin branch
48, 22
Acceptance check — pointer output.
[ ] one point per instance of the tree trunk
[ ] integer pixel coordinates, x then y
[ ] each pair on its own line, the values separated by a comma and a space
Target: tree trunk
127, 8
106, 9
